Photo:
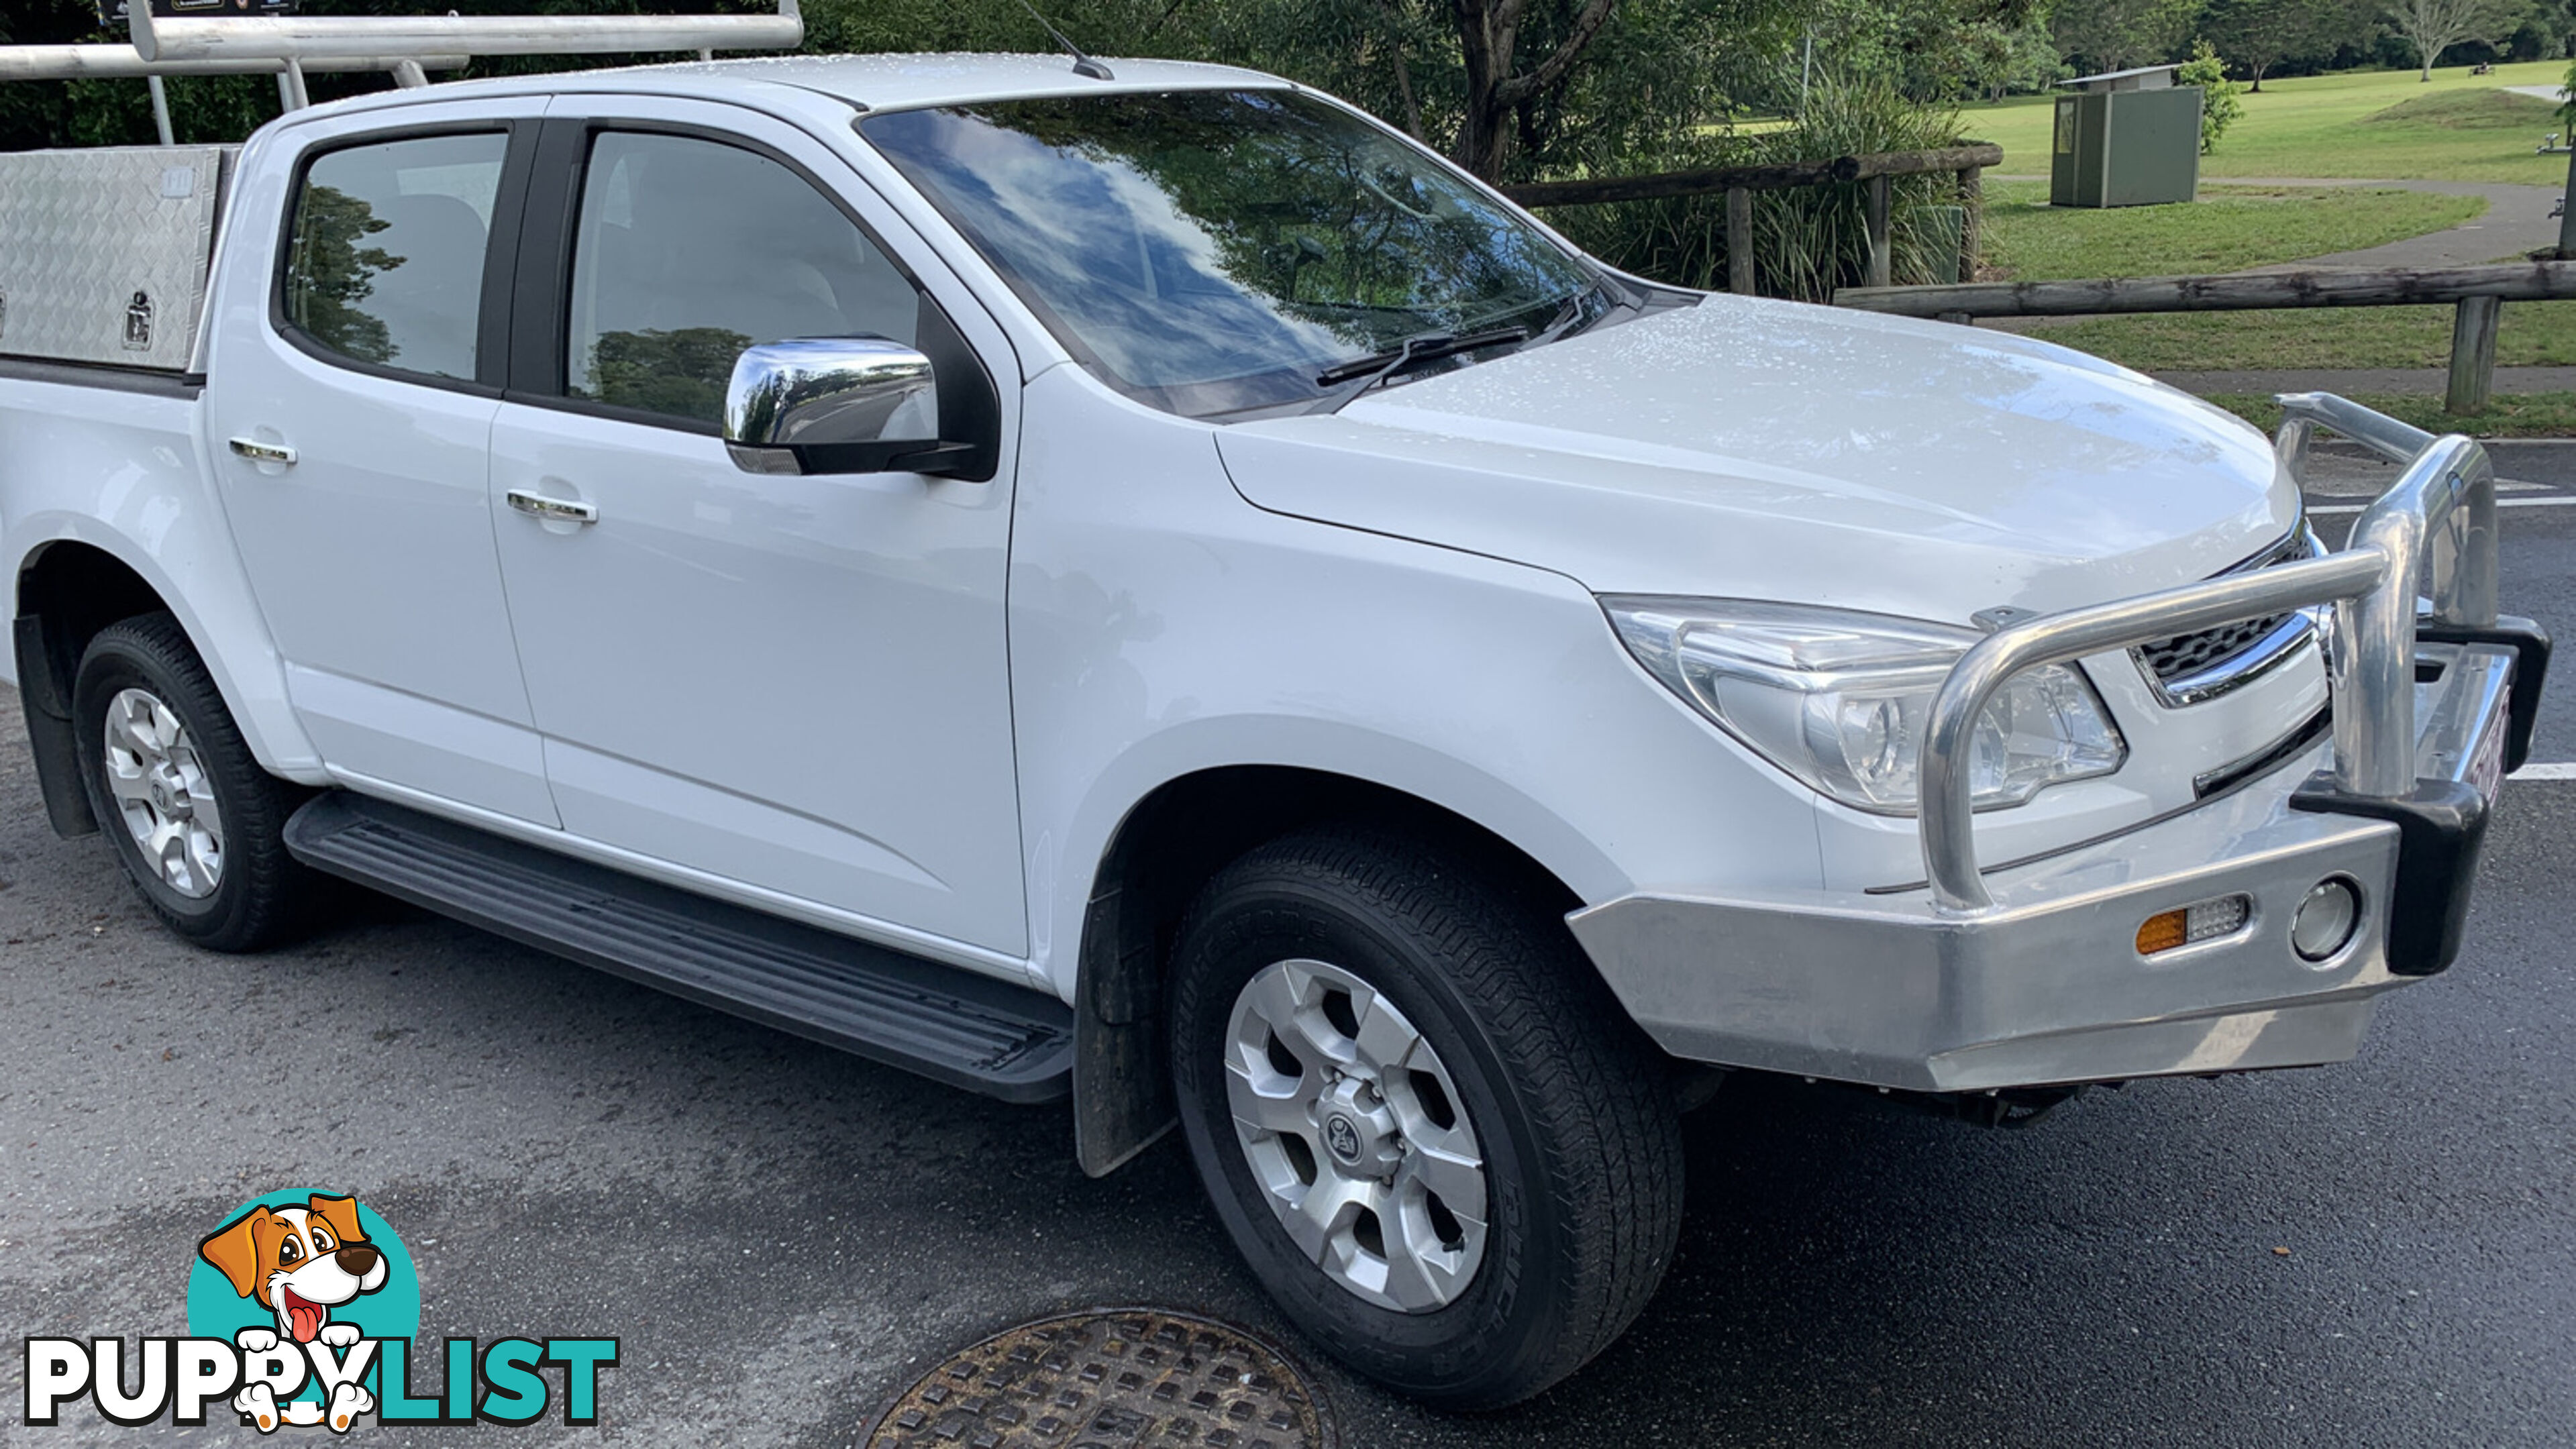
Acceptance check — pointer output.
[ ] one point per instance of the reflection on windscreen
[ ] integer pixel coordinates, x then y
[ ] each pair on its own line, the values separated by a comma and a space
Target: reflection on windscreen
1215, 250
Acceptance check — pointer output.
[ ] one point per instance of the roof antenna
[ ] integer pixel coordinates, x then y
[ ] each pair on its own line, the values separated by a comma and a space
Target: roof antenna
1083, 65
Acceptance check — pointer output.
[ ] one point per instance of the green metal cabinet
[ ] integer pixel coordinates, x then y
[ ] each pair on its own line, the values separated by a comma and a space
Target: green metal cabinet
2125, 139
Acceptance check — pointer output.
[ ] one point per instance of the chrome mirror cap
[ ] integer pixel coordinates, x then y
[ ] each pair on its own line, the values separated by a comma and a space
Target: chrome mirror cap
823, 404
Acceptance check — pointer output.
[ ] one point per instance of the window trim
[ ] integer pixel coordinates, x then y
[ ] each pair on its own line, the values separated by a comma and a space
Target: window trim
541, 301
501, 247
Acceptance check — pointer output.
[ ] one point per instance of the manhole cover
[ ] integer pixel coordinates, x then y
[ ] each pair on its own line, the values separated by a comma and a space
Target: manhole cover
1110, 1380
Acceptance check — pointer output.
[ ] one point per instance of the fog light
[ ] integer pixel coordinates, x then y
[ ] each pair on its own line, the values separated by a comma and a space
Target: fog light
2326, 919
2205, 921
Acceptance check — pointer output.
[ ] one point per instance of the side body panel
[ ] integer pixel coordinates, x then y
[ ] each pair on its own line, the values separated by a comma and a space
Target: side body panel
1161, 625
124, 472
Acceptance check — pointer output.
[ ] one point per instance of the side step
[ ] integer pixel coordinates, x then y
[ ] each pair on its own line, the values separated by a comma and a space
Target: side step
946, 1024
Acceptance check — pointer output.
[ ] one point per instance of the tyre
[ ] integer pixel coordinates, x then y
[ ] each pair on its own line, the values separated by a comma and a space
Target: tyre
1433, 1134
190, 814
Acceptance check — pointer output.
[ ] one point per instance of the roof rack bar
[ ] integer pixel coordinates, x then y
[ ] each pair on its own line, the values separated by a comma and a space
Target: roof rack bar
118, 62
319, 38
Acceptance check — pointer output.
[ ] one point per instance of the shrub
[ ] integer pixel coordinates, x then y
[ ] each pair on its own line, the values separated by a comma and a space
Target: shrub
2219, 105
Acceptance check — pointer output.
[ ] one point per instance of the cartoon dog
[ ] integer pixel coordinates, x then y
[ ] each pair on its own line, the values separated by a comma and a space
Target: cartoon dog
299, 1263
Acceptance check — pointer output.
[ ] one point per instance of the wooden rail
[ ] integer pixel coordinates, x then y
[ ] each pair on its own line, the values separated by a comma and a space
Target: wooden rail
1965, 160
2477, 295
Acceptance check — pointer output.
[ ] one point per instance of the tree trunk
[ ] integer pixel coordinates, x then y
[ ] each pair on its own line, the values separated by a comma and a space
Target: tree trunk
1488, 37
1487, 30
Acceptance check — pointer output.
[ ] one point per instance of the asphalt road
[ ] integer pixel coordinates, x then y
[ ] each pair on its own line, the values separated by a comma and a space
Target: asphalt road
782, 1236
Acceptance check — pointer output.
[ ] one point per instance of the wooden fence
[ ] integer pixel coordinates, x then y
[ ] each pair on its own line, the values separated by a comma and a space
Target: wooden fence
1965, 161
2477, 295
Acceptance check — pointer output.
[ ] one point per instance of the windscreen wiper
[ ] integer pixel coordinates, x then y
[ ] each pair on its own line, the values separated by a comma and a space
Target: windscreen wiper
1380, 365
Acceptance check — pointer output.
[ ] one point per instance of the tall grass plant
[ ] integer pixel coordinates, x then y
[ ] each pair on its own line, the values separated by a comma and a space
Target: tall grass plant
1806, 240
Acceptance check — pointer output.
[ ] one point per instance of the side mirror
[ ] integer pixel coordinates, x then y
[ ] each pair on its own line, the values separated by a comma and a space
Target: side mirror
829, 405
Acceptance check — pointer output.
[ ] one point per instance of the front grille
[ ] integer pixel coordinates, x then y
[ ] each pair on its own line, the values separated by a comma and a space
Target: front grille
2187, 656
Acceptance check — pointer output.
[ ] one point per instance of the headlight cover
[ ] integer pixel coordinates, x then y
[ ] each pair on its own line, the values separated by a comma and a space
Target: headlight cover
1839, 698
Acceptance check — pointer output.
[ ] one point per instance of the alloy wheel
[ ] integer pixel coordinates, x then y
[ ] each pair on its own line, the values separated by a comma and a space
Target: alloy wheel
1357, 1135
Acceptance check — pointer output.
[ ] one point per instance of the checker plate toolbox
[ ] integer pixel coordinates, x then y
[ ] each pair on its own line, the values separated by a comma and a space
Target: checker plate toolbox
104, 254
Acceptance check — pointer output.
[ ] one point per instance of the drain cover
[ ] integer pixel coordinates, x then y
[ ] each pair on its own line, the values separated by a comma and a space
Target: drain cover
1109, 1380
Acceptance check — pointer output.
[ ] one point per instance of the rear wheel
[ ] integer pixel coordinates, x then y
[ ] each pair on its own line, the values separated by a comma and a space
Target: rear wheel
189, 812
1430, 1130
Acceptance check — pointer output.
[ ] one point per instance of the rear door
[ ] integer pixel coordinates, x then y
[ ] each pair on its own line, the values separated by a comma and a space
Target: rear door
795, 687
354, 374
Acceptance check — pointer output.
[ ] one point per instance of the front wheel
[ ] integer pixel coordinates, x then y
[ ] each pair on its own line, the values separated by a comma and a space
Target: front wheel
1423, 1120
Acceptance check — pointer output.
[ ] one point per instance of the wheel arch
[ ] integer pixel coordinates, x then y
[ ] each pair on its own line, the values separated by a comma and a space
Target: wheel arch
1158, 857
66, 591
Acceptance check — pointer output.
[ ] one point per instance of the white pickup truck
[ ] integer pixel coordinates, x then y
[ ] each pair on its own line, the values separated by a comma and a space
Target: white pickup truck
1146, 585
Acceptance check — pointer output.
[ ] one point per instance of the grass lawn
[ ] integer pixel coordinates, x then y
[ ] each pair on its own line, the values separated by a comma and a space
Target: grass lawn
2531, 334
2229, 229
2459, 127
2535, 415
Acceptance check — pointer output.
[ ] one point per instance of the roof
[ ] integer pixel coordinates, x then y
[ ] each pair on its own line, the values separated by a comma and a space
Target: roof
872, 82
2112, 75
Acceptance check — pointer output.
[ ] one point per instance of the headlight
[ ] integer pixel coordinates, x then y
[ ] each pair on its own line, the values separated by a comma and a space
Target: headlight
1838, 699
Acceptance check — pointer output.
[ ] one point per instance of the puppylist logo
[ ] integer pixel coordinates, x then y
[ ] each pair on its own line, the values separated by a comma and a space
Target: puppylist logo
302, 1311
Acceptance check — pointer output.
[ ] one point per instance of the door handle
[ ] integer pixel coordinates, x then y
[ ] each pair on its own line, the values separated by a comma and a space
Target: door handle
537, 505
259, 452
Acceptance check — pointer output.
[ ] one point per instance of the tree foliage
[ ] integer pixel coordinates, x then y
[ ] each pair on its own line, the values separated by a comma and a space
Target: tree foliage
2219, 106
2261, 34
2108, 35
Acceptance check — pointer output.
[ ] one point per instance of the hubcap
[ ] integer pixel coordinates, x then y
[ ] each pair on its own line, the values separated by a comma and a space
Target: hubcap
163, 794
1357, 1135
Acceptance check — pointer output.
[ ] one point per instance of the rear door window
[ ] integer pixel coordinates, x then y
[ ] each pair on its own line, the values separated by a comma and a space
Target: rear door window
384, 261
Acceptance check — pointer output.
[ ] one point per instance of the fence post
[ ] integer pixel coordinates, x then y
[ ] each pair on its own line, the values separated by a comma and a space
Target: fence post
2473, 351
1971, 196
1877, 208
1739, 240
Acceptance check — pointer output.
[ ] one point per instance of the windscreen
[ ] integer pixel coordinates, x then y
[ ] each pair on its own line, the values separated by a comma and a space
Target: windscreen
1215, 251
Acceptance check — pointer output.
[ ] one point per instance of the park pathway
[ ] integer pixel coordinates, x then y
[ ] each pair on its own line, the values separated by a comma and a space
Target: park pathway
2516, 222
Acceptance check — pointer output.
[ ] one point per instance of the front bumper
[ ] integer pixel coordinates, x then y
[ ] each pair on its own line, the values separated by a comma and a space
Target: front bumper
2030, 974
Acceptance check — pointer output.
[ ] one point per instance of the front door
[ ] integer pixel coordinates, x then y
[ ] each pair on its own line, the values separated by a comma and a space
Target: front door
351, 417
796, 686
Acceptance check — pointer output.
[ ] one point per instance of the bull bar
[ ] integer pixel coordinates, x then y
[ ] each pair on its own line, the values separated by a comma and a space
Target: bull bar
2444, 505
1989, 978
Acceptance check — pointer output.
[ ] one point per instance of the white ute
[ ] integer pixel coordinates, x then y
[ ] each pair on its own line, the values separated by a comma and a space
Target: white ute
1160, 590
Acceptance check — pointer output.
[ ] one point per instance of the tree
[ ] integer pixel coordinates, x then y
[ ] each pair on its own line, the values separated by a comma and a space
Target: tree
2434, 26
2260, 34
1500, 81
2117, 34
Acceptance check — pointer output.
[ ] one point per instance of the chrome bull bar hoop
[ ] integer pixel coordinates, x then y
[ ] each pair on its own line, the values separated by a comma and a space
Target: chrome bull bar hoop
2437, 525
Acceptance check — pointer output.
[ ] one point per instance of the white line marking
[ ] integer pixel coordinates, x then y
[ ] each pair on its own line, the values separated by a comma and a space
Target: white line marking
2544, 772
2500, 503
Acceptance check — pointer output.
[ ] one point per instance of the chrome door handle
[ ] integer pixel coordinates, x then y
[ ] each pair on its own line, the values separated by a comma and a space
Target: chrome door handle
259, 452
537, 505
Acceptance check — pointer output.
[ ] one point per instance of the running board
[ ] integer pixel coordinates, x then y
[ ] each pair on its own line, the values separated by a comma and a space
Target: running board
946, 1024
